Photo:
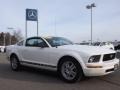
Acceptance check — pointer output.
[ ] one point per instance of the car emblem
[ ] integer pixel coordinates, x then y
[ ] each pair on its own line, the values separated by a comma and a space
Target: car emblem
32, 14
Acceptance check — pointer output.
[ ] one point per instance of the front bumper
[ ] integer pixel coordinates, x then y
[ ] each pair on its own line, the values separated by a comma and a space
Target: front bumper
106, 68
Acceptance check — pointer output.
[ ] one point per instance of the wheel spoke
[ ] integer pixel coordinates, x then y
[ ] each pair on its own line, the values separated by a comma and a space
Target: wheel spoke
68, 75
67, 65
14, 63
69, 70
72, 66
73, 73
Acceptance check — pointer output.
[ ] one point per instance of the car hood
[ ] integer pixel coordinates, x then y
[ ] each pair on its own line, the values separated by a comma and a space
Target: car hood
91, 50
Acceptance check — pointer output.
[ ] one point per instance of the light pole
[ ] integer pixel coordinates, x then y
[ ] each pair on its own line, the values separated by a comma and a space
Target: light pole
10, 28
90, 7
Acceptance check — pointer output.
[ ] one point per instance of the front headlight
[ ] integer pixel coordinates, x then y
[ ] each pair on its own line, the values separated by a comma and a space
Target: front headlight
95, 58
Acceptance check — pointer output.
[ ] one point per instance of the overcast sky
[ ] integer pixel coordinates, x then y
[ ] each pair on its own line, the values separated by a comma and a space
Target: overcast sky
71, 17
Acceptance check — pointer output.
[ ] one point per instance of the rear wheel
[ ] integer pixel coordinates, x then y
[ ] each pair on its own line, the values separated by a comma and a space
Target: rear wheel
70, 70
15, 64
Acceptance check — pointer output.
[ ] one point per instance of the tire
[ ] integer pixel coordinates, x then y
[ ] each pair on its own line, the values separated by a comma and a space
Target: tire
15, 64
70, 70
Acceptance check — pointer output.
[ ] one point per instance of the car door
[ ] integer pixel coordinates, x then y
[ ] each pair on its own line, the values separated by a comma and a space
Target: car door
36, 51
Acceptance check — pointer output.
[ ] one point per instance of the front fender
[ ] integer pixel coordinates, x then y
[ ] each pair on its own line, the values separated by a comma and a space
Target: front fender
75, 55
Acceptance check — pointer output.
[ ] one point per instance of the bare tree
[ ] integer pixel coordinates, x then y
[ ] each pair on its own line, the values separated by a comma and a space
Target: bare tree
7, 39
1, 38
18, 34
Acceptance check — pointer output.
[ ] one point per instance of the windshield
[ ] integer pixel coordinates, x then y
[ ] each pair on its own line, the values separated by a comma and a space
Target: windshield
58, 41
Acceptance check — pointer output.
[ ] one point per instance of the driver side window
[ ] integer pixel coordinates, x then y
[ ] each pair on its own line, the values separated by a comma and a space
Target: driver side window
36, 42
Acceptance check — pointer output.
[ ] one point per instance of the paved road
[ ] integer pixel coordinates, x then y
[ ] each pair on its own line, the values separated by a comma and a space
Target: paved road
36, 79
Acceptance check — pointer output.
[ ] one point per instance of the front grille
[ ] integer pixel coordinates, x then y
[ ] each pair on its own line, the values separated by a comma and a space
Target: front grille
108, 57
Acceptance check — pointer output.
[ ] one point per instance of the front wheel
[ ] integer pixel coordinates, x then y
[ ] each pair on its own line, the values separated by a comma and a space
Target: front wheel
70, 70
15, 65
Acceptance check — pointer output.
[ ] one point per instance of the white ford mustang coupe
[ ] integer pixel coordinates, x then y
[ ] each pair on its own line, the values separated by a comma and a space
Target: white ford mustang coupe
71, 61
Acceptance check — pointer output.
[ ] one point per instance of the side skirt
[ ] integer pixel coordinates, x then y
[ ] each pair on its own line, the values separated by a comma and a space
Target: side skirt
39, 65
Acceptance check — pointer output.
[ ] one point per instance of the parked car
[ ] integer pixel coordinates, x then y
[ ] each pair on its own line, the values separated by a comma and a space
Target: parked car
104, 45
71, 61
116, 45
84, 43
2, 48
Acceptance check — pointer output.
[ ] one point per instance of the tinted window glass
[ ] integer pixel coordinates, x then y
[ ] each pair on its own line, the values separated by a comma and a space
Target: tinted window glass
36, 42
58, 41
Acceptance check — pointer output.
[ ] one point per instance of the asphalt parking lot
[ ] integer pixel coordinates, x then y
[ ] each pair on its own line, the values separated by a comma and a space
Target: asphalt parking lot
36, 79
